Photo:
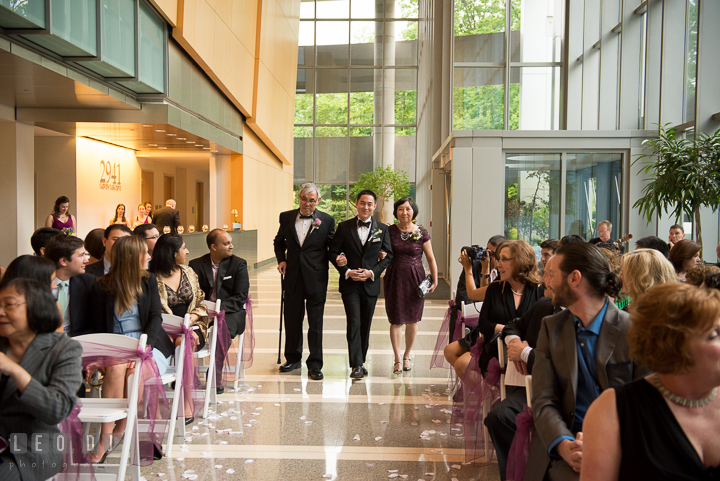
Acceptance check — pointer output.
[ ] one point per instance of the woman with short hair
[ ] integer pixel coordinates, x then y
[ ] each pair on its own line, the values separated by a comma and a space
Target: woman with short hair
664, 426
684, 256
40, 372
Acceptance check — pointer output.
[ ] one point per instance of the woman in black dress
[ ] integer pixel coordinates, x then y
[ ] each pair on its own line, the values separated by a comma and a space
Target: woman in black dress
662, 427
512, 296
402, 304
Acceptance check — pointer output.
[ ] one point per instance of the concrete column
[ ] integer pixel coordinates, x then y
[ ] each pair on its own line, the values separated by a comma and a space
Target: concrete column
17, 189
220, 188
384, 138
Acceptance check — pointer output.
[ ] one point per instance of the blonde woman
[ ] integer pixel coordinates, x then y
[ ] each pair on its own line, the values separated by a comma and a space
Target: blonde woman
644, 268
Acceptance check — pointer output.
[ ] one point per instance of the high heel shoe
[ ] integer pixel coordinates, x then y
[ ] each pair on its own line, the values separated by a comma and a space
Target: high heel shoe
408, 367
396, 367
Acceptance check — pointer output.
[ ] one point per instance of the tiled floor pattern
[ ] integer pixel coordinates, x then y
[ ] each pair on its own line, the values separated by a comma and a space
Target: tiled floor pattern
287, 427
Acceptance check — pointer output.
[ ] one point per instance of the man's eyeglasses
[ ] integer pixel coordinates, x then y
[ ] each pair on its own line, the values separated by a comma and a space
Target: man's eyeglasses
156, 237
308, 201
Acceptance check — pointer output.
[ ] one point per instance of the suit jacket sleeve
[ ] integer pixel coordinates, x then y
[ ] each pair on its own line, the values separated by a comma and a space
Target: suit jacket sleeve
331, 234
547, 390
176, 218
384, 263
519, 327
486, 325
279, 243
336, 247
97, 320
241, 286
53, 402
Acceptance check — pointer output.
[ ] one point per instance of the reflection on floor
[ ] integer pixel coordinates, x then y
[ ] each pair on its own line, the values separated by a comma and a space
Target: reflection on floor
287, 427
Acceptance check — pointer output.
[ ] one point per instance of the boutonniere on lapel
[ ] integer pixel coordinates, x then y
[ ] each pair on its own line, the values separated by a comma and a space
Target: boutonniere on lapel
375, 235
316, 223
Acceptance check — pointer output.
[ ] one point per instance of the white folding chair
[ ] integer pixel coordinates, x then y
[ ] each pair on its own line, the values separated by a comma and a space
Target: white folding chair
111, 410
502, 359
528, 389
175, 374
469, 309
211, 346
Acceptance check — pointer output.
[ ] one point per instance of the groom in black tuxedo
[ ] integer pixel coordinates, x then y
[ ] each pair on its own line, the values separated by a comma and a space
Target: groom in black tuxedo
301, 248
355, 251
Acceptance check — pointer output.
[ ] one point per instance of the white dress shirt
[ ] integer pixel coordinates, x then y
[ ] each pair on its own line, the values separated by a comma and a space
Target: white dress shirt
363, 234
302, 227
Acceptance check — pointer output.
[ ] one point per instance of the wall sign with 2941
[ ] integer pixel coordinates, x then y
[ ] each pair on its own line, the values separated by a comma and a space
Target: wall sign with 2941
109, 175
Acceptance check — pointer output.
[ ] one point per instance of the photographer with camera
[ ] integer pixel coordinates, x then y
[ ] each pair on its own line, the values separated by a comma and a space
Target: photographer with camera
482, 271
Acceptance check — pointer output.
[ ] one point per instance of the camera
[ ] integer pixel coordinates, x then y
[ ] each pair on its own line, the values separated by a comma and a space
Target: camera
475, 253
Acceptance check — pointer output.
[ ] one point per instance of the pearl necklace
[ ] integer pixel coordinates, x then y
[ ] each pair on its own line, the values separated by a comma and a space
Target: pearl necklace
688, 403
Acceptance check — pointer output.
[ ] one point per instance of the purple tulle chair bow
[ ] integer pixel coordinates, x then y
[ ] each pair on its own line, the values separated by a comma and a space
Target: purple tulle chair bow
222, 367
438, 357
190, 382
520, 447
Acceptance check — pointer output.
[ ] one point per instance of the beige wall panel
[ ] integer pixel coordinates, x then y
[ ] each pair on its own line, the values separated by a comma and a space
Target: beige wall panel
244, 22
96, 205
273, 121
242, 68
168, 9
278, 45
221, 60
237, 193
224, 10
291, 11
54, 175
265, 179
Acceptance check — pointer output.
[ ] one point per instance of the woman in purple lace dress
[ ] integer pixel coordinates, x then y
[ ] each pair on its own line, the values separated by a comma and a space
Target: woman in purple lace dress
402, 304
60, 218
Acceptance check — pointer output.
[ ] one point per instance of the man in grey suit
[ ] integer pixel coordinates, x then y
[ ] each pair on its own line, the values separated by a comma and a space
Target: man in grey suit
580, 352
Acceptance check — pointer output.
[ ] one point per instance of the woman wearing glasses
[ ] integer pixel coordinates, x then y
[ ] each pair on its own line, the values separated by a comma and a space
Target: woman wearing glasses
518, 290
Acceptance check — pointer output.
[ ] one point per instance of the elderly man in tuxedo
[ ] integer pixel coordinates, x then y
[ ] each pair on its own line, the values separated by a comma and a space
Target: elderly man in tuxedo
167, 217
224, 276
355, 252
580, 352
301, 248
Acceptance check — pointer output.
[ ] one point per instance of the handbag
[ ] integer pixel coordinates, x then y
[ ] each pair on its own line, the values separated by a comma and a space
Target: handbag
424, 287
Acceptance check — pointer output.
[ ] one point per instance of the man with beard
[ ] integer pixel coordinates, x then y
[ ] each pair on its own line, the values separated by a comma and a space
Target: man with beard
580, 352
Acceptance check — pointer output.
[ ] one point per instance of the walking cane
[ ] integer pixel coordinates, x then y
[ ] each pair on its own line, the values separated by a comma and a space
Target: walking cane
282, 301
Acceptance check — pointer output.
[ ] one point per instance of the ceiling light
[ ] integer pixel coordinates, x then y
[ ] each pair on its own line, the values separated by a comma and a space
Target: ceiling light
159, 130
206, 148
189, 142
162, 148
152, 145
181, 138
147, 125
171, 135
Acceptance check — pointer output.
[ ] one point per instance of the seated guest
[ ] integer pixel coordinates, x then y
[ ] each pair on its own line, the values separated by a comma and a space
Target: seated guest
580, 352
521, 338
40, 238
34, 268
677, 233
40, 374
663, 427
518, 290
644, 268
126, 301
148, 232
224, 276
178, 284
547, 250
94, 245
652, 242
73, 284
112, 234
684, 255
696, 275
570, 239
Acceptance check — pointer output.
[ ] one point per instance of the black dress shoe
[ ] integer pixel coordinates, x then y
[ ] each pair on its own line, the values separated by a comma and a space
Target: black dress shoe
365, 371
290, 366
315, 374
220, 390
189, 420
357, 373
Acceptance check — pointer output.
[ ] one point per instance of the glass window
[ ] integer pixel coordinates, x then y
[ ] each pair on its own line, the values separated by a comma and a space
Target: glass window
479, 31
366, 9
118, 40
405, 147
331, 146
306, 44
307, 9
405, 83
691, 43
363, 49
406, 9
74, 27
151, 73
333, 200
478, 98
304, 91
332, 9
535, 98
532, 197
332, 96
363, 143
303, 154
22, 14
332, 43
593, 192
406, 44
362, 95
536, 33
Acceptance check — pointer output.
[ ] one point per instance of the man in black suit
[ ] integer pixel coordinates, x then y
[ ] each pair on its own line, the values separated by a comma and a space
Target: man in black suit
167, 217
111, 235
301, 248
521, 336
225, 277
359, 240
68, 254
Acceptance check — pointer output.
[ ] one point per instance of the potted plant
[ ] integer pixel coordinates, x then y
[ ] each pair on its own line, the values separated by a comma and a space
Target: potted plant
387, 183
683, 175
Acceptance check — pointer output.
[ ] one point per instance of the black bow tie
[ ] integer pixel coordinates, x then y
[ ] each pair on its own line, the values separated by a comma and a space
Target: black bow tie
364, 224
306, 216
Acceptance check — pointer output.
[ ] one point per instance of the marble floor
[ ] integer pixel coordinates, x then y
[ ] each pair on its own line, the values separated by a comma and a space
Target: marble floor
287, 427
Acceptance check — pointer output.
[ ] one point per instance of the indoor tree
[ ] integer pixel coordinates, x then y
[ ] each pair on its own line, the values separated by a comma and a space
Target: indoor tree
683, 174
387, 183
